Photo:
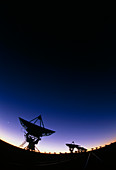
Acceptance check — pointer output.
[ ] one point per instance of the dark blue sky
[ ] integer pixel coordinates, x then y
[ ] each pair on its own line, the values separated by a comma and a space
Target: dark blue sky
66, 74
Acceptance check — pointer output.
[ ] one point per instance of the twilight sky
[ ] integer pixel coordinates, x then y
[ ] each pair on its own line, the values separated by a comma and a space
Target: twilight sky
64, 70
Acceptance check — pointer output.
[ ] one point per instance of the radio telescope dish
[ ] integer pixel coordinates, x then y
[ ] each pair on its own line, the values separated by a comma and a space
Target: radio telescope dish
34, 132
34, 129
72, 146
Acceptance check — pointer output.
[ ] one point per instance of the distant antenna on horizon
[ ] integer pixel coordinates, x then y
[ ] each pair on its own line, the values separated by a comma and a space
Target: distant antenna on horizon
72, 146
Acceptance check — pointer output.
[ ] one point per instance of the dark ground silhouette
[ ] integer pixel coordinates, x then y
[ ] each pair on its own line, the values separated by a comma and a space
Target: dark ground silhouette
16, 158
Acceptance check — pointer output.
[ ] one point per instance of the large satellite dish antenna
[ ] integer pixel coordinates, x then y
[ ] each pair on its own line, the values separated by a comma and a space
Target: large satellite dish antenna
34, 132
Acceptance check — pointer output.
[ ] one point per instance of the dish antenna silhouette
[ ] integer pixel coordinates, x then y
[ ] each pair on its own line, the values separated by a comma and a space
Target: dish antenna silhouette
34, 132
72, 146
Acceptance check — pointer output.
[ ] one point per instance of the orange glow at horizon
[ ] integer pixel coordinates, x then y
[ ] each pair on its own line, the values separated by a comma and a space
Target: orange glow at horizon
9, 138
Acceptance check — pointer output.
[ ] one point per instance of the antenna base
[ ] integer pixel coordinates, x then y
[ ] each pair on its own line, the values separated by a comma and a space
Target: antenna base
32, 141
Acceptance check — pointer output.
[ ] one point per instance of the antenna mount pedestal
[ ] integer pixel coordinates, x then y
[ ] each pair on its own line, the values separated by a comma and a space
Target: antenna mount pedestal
32, 141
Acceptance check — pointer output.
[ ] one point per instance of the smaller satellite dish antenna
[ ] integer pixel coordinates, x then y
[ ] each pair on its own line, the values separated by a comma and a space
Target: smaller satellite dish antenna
34, 132
72, 146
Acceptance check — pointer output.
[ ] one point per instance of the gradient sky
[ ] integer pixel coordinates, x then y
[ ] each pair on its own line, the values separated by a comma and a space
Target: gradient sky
66, 74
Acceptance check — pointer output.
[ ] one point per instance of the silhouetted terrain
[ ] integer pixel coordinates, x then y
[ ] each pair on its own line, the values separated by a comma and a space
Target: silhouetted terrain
16, 158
